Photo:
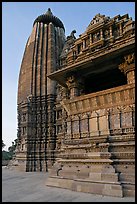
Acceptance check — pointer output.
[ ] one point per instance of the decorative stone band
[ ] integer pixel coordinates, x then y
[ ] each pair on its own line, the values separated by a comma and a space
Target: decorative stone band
103, 99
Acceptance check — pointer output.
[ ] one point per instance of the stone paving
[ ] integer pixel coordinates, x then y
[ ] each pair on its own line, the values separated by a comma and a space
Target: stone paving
30, 187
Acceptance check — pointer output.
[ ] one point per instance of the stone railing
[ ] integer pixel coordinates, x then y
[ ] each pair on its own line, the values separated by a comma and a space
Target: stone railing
103, 99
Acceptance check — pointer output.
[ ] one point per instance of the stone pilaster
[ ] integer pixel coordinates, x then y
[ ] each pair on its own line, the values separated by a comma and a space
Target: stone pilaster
51, 129
128, 67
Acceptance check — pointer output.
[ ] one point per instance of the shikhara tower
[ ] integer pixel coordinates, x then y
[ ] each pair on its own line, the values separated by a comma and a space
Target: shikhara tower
36, 93
76, 105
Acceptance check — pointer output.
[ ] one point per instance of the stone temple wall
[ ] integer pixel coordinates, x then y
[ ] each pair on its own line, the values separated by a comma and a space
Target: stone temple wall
96, 143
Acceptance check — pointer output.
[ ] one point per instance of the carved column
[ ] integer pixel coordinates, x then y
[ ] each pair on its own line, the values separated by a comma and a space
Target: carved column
74, 85
111, 34
110, 31
84, 44
101, 34
128, 67
90, 38
51, 128
120, 29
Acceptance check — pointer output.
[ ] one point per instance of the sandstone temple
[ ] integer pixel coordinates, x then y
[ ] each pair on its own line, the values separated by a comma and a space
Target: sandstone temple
76, 105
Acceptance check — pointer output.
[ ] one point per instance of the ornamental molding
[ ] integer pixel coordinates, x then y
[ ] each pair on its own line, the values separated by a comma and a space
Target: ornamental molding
99, 19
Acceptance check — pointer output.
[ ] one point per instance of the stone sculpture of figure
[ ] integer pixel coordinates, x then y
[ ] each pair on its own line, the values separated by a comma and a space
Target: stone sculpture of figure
72, 35
129, 58
29, 98
96, 37
70, 81
107, 34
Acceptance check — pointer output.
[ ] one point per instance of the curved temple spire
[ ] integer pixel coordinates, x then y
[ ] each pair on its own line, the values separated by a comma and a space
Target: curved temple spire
49, 17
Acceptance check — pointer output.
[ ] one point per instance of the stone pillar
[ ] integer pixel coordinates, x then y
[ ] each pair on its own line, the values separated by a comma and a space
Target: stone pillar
101, 34
90, 38
111, 34
128, 67
84, 44
120, 29
74, 85
110, 31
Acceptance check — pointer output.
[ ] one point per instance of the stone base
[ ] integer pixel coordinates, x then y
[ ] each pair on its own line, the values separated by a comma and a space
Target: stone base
96, 178
87, 186
128, 190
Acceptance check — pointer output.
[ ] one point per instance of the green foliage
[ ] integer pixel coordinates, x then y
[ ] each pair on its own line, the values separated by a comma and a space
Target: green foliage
12, 148
6, 155
3, 145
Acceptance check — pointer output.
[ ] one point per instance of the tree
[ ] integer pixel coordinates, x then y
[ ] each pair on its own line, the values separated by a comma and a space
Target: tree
6, 155
3, 145
12, 148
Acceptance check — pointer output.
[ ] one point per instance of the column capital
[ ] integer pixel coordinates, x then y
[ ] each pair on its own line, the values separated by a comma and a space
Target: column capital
71, 82
128, 64
74, 82
75, 85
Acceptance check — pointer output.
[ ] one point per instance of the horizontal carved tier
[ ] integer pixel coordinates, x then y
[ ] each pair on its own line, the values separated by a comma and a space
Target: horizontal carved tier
103, 99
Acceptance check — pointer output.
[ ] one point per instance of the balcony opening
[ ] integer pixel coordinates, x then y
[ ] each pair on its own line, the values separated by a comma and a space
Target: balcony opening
106, 80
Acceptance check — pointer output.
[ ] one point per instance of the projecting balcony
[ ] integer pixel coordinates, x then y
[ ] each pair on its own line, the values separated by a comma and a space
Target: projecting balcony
101, 100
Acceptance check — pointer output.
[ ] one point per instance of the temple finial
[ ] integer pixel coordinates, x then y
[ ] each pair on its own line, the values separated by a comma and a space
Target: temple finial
49, 12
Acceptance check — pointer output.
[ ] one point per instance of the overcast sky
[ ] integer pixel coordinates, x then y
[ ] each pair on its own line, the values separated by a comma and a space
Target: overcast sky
17, 21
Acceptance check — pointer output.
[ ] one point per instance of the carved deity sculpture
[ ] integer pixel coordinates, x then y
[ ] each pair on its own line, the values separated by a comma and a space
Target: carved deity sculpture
107, 33
96, 37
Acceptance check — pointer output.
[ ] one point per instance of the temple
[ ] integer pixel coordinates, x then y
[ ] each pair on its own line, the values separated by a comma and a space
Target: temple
76, 105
